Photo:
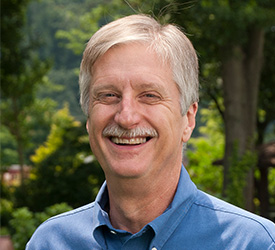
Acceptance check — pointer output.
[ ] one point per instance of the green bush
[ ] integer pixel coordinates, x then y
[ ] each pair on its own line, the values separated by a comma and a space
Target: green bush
204, 150
60, 171
24, 222
240, 167
6, 208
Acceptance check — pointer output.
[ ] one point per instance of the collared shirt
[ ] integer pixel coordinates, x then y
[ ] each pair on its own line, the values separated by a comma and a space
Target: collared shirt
194, 220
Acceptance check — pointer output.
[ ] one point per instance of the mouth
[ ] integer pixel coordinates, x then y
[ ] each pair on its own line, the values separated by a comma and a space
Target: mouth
130, 141
133, 137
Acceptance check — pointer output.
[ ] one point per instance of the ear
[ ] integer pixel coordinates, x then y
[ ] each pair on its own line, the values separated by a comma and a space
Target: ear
87, 126
190, 119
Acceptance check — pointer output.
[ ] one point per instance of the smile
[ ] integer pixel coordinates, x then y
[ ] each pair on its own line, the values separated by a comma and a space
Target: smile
129, 141
136, 136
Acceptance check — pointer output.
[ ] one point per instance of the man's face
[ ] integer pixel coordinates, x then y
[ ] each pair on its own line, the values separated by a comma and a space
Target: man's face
135, 124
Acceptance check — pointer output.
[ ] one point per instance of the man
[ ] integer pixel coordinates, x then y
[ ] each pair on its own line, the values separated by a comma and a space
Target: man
139, 90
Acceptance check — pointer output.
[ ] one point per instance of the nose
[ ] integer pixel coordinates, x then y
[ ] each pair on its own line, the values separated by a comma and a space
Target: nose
128, 115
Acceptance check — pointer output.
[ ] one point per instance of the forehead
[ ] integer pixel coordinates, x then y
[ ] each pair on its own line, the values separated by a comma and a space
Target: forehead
133, 58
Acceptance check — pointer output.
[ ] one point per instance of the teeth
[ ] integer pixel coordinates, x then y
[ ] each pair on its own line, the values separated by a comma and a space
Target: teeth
131, 141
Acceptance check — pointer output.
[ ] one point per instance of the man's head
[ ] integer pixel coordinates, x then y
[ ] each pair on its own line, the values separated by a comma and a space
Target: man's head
139, 89
167, 41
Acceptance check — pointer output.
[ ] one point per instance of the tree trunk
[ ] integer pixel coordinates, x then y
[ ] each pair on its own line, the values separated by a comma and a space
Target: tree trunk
241, 77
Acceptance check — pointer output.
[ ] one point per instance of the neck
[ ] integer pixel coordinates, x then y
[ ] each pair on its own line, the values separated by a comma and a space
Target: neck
136, 202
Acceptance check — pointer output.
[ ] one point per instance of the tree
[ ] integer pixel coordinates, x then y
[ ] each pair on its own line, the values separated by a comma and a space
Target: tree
21, 72
238, 54
265, 122
44, 19
266, 91
64, 168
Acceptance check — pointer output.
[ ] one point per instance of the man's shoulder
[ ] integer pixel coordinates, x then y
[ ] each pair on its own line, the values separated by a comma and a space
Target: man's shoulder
63, 228
78, 212
76, 216
233, 216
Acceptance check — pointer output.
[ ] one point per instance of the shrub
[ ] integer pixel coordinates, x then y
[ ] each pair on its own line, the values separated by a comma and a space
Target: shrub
24, 222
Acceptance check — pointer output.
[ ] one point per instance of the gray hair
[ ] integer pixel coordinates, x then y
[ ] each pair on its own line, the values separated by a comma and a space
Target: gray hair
167, 41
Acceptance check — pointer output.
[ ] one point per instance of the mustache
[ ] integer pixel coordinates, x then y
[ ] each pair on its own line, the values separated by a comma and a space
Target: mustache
117, 131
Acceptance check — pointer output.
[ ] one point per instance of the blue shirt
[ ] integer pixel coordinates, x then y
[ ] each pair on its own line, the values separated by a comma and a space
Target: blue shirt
194, 220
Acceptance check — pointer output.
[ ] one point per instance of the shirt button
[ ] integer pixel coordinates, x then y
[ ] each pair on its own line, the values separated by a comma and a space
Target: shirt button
154, 248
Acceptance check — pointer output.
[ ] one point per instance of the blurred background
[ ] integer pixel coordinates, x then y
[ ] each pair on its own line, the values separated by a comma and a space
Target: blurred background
47, 166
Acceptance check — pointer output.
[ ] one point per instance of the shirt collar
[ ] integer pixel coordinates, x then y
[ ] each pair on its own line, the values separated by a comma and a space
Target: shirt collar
165, 224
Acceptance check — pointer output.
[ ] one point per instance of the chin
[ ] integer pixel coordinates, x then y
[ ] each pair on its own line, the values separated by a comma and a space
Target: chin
127, 171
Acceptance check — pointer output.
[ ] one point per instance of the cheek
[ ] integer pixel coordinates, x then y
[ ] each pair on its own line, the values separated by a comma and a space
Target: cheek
93, 127
177, 126
102, 113
100, 117
169, 127
95, 139
96, 121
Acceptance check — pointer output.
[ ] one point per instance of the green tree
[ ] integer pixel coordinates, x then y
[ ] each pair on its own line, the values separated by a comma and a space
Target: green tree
266, 92
8, 149
230, 35
64, 168
21, 72
266, 124
102, 12
45, 18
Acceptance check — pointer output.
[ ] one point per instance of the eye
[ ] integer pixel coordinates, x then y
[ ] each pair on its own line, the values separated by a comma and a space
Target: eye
150, 97
107, 97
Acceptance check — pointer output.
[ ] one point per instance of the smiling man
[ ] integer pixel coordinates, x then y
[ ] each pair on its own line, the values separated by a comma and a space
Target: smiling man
139, 90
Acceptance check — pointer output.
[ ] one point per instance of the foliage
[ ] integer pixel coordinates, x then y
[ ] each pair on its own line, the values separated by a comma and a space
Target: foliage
237, 174
61, 121
24, 222
38, 120
204, 151
88, 24
78, 37
208, 19
64, 169
45, 19
21, 72
8, 148
6, 208
266, 113
90, 21
244, 22
271, 186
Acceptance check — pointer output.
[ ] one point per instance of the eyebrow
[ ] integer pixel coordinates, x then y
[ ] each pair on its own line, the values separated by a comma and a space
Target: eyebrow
141, 87
100, 87
152, 86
